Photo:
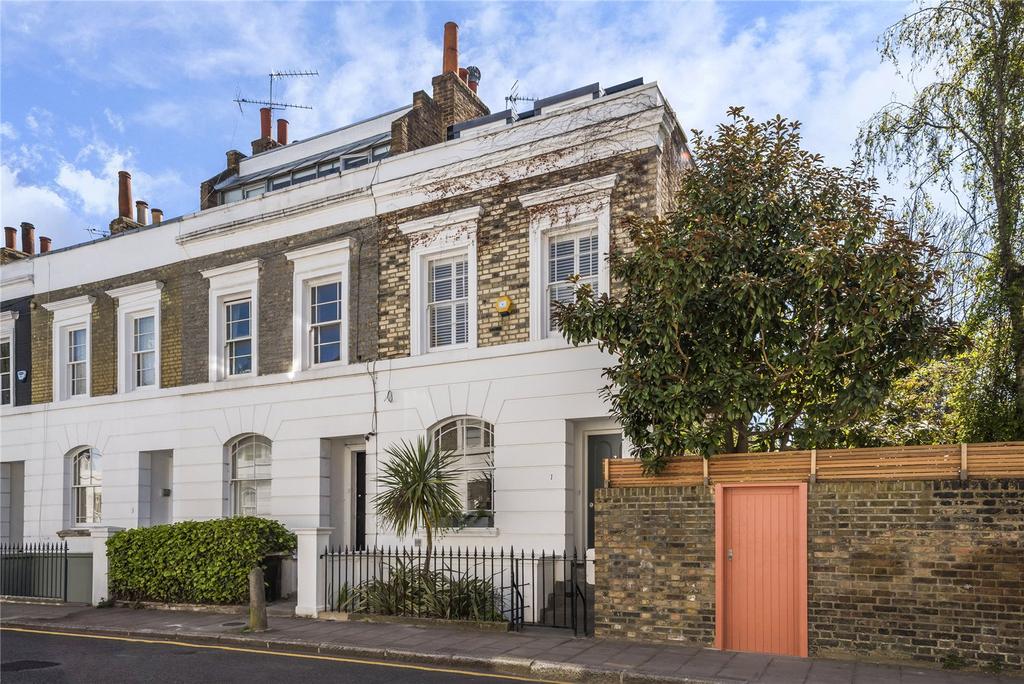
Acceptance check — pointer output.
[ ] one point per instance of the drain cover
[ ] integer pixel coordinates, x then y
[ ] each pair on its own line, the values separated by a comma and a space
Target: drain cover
19, 665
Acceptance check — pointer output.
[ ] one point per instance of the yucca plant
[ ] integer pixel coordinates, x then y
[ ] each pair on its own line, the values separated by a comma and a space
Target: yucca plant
416, 488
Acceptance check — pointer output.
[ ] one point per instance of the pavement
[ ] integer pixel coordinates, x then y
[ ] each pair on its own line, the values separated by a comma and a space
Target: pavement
536, 654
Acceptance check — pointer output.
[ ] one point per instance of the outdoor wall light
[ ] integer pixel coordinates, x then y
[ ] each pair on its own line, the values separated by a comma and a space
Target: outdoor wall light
503, 305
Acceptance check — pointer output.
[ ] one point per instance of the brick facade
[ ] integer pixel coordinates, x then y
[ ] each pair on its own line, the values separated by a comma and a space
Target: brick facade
915, 570
22, 352
379, 278
379, 267
184, 313
503, 250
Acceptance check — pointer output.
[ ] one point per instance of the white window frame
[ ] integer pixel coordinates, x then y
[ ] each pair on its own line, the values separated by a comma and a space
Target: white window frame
136, 301
228, 284
463, 451
576, 207
317, 265
228, 346
453, 257
235, 483
431, 238
7, 319
574, 231
70, 314
78, 490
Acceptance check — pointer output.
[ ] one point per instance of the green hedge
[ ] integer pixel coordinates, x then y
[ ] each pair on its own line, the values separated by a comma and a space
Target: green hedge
192, 561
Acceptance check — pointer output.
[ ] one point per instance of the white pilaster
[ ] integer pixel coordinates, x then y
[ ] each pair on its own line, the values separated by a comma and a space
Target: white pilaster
312, 542
100, 586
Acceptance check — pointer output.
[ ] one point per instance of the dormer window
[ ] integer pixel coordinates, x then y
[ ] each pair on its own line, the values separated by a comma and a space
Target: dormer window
327, 167
304, 175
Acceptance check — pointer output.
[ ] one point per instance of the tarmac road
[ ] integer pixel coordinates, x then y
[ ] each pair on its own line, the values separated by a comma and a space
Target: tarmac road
31, 656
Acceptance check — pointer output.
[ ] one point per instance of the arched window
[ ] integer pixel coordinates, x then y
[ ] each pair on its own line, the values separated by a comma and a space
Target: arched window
250, 475
87, 486
472, 440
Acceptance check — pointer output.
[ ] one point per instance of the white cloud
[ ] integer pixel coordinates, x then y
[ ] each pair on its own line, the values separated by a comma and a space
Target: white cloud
7, 131
36, 204
40, 122
91, 191
91, 179
116, 121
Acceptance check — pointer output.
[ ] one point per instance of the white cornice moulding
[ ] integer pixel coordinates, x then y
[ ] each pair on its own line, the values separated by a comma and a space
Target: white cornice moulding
147, 288
73, 303
8, 316
23, 279
441, 220
319, 249
570, 191
242, 223
230, 269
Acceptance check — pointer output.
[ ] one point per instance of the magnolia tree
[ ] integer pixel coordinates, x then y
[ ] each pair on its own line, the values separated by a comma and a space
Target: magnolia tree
774, 306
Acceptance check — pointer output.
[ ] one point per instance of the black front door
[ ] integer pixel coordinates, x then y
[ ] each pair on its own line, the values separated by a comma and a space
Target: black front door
599, 447
360, 541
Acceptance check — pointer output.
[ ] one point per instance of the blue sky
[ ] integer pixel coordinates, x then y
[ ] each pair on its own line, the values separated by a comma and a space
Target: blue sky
91, 88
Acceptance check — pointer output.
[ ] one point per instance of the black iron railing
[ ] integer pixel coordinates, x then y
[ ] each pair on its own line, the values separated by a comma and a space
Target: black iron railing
34, 570
483, 585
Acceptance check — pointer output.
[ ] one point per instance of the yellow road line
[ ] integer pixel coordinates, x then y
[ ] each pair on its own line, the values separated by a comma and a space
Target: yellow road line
307, 656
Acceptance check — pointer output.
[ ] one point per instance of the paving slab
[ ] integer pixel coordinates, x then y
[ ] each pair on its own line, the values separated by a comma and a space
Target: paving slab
547, 653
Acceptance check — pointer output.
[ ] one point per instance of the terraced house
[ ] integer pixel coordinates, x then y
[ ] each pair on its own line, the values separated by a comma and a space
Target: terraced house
387, 280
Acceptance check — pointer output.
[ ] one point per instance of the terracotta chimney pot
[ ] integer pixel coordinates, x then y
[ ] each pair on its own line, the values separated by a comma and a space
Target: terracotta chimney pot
28, 238
265, 118
124, 194
451, 48
11, 237
44, 244
158, 215
282, 131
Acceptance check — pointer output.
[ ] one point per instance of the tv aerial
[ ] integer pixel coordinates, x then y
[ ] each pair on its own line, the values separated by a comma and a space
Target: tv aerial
270, 102
513, 99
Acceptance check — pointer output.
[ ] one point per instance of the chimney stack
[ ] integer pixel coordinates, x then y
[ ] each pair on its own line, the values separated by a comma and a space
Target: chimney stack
140, 212
473, 74
11, 237
124, 194
44, 244
282, 131
28, 238
158, 216
451, 48
265, 116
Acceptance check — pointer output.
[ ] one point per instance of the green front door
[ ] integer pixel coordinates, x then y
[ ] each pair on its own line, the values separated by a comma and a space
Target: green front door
599, 447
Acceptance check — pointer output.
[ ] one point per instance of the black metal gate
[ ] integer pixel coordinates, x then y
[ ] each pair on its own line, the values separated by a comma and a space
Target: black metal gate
481, 585
34, 570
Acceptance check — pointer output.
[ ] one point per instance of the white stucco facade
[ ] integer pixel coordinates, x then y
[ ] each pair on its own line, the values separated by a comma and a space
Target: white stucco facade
165, 451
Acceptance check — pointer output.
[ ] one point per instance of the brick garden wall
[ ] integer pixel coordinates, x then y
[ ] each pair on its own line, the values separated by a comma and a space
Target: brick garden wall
916, 570
655, 553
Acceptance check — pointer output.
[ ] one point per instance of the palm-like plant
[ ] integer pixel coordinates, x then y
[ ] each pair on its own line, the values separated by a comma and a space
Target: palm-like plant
416, 487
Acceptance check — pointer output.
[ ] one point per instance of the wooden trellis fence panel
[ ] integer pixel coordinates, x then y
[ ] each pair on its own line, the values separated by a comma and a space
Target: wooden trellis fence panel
932, 462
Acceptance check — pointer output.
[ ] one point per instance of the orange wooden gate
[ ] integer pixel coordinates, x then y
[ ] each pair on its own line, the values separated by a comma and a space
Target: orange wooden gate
761, 568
